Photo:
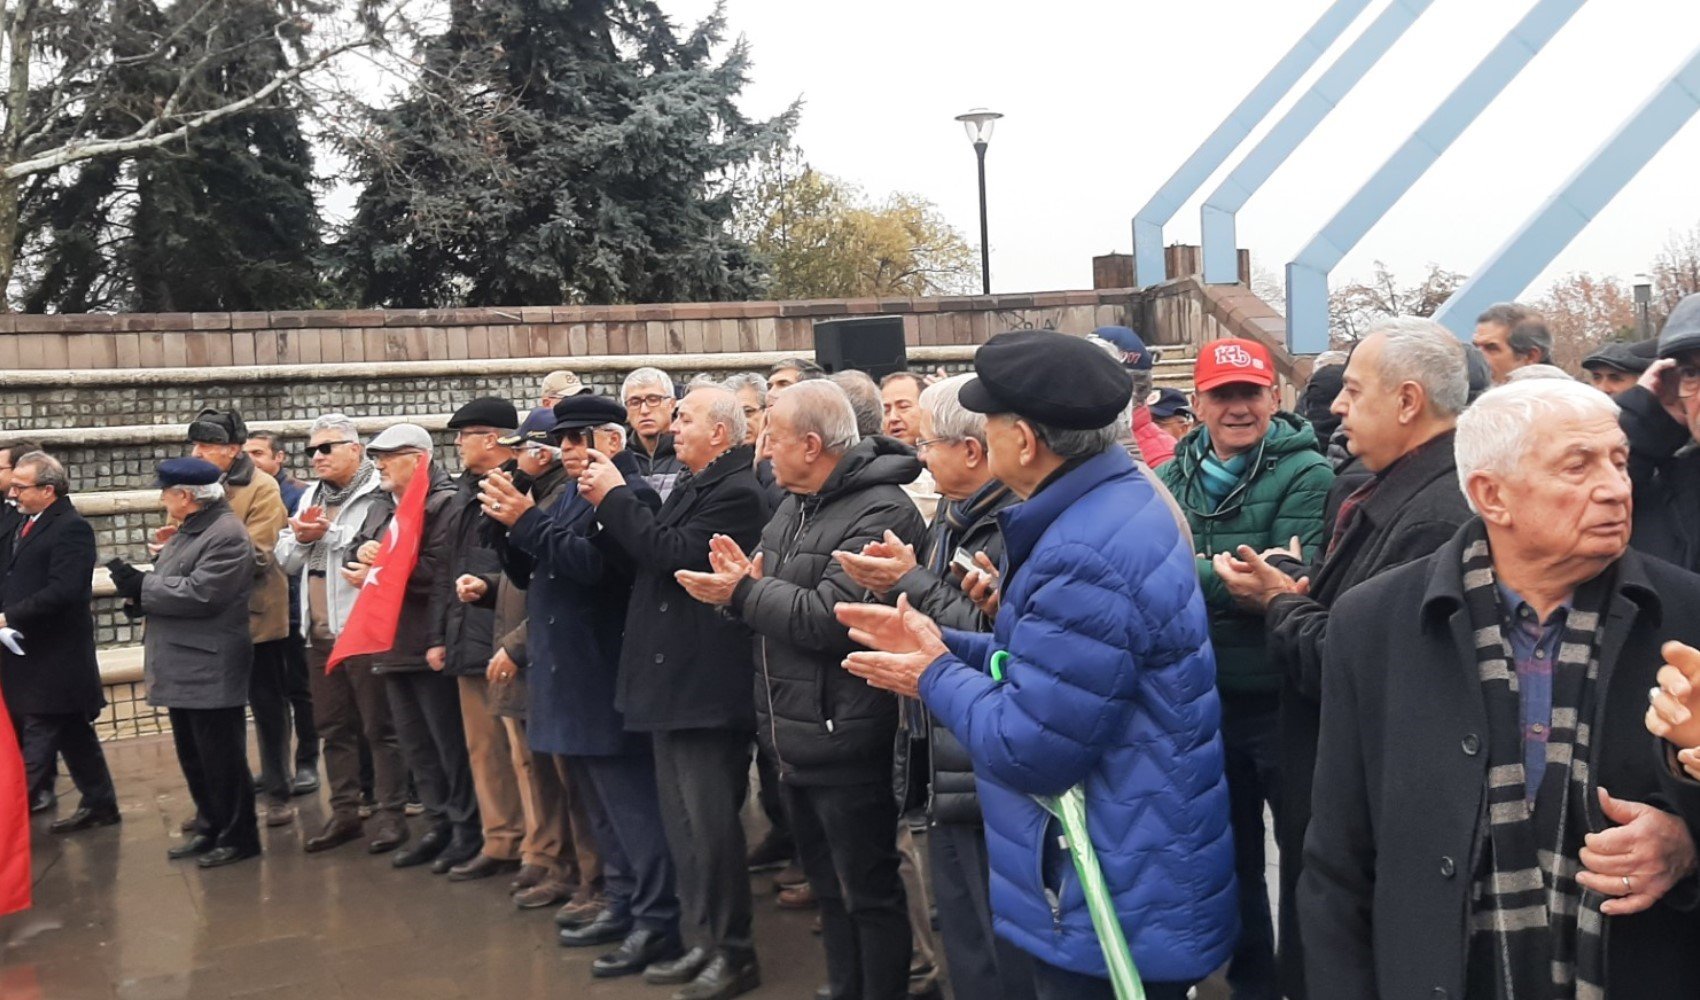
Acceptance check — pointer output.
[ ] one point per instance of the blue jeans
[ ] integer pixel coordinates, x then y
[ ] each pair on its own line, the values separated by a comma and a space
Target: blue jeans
1052, 983
1251, 739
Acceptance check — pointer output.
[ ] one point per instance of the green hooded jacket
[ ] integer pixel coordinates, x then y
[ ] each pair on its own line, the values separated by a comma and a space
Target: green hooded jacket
1280, 495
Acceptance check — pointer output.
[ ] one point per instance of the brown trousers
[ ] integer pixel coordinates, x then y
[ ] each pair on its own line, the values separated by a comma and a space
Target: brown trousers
349, 703
586, 864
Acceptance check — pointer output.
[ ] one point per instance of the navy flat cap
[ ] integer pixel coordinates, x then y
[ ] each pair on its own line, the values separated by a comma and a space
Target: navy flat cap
486, 411
538, 423
186, 472
587, 410
1050, 378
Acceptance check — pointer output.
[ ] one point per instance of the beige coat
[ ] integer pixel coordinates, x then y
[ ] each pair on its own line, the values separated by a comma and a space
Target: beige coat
258, 504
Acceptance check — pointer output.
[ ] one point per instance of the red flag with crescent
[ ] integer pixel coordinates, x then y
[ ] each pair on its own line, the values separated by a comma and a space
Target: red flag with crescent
372, 622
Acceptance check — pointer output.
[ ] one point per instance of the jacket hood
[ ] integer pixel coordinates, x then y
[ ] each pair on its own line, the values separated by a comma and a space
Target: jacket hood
874, 461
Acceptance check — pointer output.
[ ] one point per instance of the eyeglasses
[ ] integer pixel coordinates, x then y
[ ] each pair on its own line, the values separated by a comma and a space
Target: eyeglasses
1687, 380
535, 449
576, 435
649, 402
18, 487
325, 447
925, 443
467, 432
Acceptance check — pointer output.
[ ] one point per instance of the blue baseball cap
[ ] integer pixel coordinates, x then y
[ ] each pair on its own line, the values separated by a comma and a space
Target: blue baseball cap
1135, 356
1166, 402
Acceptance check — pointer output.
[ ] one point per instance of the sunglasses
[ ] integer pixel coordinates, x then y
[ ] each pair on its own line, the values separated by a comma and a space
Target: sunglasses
326, 447
576, 435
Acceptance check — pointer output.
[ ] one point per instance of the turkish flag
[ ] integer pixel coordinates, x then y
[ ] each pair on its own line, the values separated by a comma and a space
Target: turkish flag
372, 622
14, 822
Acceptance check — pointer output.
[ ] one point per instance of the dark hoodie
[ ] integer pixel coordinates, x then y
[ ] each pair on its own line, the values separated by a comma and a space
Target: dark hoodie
660, 470
1316, 402
823, 725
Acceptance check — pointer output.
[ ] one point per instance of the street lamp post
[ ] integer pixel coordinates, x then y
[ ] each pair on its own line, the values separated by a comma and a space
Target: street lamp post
978, 124
1644, 306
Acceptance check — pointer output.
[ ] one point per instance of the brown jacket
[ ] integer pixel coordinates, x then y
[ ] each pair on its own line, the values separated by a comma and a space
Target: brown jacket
258, 504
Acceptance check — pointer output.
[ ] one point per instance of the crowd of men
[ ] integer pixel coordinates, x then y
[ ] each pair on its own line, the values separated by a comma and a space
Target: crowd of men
1437, 623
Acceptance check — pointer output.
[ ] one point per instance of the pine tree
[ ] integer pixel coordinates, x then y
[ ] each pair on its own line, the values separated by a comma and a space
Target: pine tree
558, 151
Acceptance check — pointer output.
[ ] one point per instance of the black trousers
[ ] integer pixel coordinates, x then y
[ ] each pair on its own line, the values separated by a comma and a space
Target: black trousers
621, 802
1251, 738
299, 689
847, 842
703, 776
425, 707
268, 696
42, 738
212, 749
771, 798
981, 964
353, 705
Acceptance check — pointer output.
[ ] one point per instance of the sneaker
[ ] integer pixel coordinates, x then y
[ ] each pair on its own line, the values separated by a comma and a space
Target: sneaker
790, 878
280, 815
581, 909
414, 808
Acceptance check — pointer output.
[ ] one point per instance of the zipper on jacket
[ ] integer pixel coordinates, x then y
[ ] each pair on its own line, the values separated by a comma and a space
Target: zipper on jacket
772, 719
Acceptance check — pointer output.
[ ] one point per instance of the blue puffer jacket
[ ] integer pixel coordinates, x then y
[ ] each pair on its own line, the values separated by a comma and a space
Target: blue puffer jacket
1110, 681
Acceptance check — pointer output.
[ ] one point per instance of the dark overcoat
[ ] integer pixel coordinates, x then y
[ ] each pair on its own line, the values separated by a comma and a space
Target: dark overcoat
197, 651
44, 594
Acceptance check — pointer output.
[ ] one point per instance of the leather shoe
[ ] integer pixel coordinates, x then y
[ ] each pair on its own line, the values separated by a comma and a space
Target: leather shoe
723, 978
218, 857
528, 876
605, 929
190, 825
798, 897
200, 843
584, 907
680, 970
425, 851
43, 800
337, 832
457, 853
392, 833
279, 814
545, 893
306, 781
641, 949
481, 866
85, 819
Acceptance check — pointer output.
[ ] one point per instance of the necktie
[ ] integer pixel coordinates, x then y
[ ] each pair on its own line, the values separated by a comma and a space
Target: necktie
27, 526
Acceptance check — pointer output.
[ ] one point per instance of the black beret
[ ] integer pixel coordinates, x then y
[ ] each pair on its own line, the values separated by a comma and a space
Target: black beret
1050, 378
186, 472
1682, 330
218, 427
1632, 359
587, 410
486, 411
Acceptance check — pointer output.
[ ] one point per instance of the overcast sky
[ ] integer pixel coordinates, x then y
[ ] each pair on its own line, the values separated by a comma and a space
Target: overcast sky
1105, 99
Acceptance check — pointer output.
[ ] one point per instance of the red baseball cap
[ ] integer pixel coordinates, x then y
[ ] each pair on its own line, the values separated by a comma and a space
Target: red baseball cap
1233, 360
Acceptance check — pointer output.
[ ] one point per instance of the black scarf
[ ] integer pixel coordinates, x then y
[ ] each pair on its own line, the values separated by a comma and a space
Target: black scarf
1545, 933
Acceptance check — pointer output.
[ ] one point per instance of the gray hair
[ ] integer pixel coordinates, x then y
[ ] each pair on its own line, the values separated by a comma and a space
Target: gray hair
618, 430
1422, 351
49, 471
1071, 444
725, 409
1529, 338
864, 398
806, 370
1501, 427
739, 381
951, 420
205, 494
1506, 314
823, 409
1328, 359
646, 376
1528, 372
341, 423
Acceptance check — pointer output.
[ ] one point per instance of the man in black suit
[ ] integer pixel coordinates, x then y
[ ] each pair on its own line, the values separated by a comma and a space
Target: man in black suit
53, 689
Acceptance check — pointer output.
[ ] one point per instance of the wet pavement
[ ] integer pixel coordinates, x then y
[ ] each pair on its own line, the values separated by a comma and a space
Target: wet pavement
115, 920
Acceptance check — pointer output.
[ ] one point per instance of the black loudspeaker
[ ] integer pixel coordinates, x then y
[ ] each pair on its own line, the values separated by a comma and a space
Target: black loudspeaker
872, 344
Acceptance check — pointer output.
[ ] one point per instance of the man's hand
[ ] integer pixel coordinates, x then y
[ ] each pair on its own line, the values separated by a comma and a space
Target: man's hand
1674, 712
368, 553
437, 657
160, 537
310, 525
1294, 550
728, 565
901, 641
599, 478
470, 589
1660, 380
126, 579
355, 573
982, 586
879, 565
1252, 582
502, 500
502, 668
1637, 861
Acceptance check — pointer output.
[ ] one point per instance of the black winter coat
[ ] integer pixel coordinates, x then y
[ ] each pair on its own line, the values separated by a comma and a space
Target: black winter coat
44, 593
951, 797
1665, 469
822, 724
468, 630
430, 588
684, 664
660, 470
1385, 896
1411, 514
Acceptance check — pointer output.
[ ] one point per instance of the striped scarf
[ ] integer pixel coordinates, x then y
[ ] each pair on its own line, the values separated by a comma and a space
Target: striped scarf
1544, 932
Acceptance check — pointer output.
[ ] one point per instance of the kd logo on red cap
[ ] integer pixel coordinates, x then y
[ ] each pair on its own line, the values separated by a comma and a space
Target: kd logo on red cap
1235, 356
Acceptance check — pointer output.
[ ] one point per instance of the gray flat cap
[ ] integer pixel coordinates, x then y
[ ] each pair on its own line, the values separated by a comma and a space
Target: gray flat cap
402, 437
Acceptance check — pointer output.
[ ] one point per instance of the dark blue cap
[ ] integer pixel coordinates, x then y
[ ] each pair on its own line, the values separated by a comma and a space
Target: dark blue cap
536, 427
1135, 355
587, 410
1166, 402
186, 472
1049, 378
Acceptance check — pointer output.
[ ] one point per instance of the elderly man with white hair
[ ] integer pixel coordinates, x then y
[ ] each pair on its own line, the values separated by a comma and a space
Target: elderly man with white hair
1490, 817
830, 733
649, 399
